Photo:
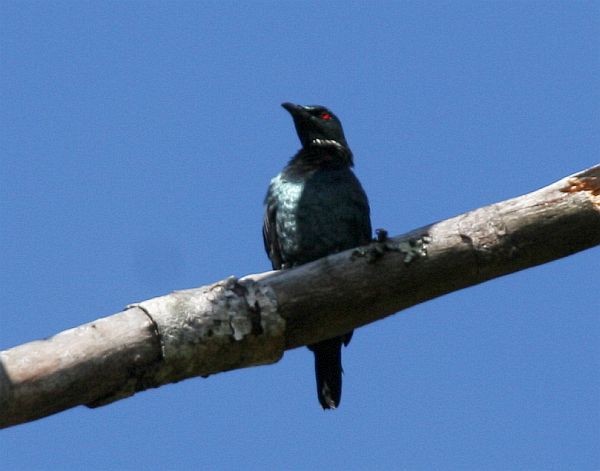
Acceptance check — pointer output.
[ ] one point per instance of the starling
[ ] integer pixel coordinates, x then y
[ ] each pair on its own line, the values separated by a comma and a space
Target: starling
316, 207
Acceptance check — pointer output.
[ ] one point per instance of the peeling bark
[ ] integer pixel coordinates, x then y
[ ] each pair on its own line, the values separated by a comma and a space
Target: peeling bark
231, 324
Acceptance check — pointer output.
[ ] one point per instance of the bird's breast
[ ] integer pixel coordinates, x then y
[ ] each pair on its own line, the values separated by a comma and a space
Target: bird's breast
322, 213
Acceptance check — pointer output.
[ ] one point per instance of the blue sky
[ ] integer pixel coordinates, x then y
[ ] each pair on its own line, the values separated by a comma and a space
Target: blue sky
138, 139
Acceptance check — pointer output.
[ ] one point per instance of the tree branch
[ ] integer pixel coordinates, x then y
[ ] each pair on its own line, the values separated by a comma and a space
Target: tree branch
236, 323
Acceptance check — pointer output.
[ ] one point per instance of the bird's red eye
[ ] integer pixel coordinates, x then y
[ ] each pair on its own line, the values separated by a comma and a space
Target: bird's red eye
325, 115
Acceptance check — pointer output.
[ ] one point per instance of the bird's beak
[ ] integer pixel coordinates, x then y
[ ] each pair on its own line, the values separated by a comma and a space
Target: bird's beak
294, 110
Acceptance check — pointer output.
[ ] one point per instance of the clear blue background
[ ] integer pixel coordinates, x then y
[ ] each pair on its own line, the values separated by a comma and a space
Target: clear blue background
137, 142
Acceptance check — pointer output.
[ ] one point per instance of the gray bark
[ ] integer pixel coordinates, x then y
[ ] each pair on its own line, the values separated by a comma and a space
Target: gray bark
236, 323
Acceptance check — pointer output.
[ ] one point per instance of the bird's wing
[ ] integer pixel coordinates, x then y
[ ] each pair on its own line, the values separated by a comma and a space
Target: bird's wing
363, 213
270, 238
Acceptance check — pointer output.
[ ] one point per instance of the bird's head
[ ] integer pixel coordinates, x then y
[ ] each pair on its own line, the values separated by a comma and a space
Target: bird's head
317, 127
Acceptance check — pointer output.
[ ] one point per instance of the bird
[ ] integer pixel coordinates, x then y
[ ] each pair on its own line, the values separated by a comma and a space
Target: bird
316, 207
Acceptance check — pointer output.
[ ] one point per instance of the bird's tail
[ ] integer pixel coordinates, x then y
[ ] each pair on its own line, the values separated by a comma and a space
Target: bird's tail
328, 370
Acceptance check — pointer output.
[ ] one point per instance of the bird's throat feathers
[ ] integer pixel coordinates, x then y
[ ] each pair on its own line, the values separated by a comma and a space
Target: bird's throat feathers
322, 154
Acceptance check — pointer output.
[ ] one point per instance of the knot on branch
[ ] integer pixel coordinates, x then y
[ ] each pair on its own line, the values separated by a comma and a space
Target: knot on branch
588, 181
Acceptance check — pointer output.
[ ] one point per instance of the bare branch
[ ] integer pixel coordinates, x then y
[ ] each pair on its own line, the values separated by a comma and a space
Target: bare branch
250, 321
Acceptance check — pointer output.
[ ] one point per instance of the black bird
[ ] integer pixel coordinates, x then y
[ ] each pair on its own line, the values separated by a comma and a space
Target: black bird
316, 207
